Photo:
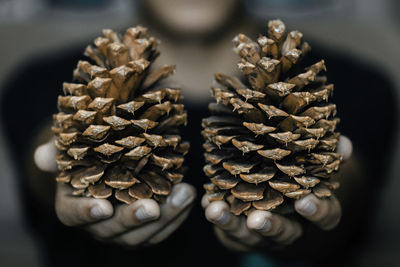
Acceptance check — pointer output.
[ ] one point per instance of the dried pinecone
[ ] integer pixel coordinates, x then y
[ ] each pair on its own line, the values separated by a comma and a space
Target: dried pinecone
116, 130
272, 138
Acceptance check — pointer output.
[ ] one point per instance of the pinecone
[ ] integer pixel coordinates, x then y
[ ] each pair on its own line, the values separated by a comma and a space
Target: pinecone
116, 130
271, 139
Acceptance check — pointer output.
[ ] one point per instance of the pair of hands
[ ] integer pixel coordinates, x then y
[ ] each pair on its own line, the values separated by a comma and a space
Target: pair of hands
145, 222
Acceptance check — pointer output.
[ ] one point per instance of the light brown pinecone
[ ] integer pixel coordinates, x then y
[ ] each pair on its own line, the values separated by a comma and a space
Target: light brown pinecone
116, 129
272, 138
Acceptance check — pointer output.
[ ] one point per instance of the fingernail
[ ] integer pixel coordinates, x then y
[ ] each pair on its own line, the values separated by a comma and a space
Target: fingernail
266, 225
142, 215
307, 207
180, 198
223, 218
97, 212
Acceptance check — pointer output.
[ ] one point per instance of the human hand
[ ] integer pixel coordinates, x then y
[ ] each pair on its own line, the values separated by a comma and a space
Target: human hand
144, 222
260, 228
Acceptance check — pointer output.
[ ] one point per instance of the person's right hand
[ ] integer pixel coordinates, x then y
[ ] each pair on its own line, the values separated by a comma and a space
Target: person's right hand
143, 222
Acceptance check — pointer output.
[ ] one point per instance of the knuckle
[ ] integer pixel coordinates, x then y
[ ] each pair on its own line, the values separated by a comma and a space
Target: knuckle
63, 219
95, 231
62, 214
99, 231
278, 226
129, 240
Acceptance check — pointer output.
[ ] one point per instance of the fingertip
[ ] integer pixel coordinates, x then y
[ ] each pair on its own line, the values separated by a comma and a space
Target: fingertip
345, 147
73, 211
186, 187
307, 206
44, 157
101, 209
259, 220
218, 212
325, 213
204, 201
146, 210
182, 195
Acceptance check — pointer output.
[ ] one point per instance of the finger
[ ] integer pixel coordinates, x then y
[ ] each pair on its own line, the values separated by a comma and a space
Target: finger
235, 226
74, 211
45, 156
170, 228
126, 217
276, 227
325, 213
204, 201
181, 198
345, 147
218, 213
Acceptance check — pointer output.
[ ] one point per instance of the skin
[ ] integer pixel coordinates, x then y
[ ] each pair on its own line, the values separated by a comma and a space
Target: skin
191, 18
145, 222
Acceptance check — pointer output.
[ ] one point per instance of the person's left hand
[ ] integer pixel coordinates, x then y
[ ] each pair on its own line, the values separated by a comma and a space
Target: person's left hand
263, 227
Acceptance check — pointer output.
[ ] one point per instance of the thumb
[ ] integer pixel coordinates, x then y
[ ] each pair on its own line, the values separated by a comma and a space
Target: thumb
45, 156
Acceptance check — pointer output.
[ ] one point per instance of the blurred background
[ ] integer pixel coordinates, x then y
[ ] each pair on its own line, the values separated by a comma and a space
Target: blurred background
366, 29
